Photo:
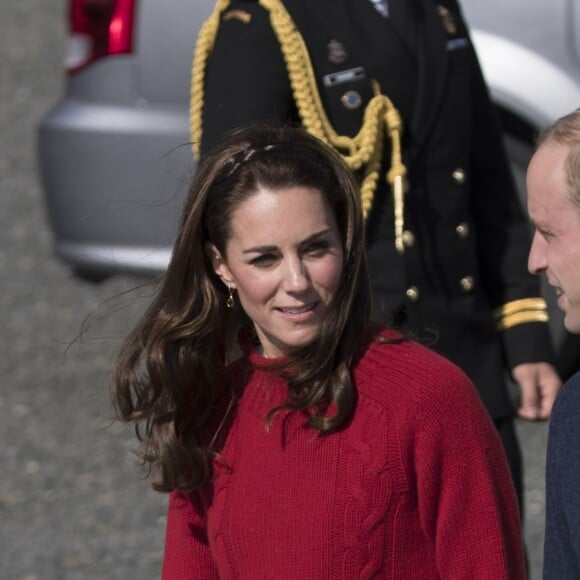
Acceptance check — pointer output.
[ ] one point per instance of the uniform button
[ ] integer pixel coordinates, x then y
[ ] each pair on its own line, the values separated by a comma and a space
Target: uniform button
462, 230
467, 284
458, 176
408, 238
412, 293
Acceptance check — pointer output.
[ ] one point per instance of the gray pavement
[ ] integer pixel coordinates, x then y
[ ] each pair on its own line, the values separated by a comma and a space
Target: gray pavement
73, 504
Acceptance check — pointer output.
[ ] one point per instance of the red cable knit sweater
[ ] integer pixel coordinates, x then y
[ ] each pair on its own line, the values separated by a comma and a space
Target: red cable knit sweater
415, 487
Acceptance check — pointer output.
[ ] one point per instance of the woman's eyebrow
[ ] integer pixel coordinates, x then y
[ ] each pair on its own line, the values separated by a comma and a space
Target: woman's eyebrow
260, 249
273, 248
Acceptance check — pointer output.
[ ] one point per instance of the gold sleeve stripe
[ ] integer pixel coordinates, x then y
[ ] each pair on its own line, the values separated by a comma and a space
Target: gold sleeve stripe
521, 311
523, 317
515, 306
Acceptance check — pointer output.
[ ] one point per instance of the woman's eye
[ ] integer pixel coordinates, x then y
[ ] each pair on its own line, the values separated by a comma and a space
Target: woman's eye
317, 248
263, 260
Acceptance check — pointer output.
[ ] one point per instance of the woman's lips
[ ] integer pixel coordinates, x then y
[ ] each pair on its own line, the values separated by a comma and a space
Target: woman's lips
298, 313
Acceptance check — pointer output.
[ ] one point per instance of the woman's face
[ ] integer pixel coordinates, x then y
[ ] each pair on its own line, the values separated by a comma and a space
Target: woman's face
285, 260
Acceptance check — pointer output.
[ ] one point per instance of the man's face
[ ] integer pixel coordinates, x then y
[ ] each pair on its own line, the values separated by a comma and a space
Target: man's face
555, 247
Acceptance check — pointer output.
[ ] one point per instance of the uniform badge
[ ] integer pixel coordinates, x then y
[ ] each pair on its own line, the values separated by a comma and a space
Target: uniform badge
336, 51
448, 20
240, 15
344, 76
351, 100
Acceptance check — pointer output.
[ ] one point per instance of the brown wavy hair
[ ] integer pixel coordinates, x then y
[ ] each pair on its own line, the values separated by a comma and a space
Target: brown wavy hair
170, 377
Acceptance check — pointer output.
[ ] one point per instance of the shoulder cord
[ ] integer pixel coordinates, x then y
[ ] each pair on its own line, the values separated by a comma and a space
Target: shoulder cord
364, 150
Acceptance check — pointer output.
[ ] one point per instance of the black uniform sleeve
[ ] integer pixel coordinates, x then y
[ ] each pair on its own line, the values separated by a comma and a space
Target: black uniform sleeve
503, 230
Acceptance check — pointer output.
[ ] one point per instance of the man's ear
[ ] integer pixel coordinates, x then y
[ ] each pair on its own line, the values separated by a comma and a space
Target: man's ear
219, 265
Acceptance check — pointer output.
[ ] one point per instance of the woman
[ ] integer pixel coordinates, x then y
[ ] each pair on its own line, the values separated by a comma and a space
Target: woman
297, 439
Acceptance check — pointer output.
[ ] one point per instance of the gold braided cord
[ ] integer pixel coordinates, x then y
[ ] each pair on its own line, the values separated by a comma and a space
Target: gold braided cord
365, 148
523, 317
396, 174
362, 152
515, 306
203, 48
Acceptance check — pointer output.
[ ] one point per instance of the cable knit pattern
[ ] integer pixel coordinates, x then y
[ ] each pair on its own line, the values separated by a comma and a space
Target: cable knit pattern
414, 487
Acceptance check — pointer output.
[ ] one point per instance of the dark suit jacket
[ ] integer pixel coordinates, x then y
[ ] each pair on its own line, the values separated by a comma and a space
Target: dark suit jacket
467, 251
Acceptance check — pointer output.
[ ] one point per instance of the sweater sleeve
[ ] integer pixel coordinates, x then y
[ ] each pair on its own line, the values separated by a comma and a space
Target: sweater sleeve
187, 553
465, 494
562, 539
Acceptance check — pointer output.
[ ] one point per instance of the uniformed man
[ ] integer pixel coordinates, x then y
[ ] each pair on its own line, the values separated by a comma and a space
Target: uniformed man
395, 86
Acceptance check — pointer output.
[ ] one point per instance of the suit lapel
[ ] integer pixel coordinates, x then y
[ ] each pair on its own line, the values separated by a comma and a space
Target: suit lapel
403, 19
432, 62
330, 15
336, 15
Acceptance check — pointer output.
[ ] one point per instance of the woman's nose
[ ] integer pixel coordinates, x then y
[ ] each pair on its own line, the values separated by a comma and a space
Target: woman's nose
296, 278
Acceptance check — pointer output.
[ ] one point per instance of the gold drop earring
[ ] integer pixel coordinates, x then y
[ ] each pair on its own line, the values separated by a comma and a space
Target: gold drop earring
230, 300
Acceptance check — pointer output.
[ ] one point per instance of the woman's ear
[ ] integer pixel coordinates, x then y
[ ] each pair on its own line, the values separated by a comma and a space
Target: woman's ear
219, 265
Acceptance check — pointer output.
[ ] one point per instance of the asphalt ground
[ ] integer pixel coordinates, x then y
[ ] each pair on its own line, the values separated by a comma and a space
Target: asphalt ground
73, 502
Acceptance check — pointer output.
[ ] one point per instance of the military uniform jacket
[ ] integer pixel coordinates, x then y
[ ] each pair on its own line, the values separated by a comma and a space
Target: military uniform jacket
466, 237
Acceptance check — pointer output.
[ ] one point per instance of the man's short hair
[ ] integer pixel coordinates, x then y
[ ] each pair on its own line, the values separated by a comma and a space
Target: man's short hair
566, 131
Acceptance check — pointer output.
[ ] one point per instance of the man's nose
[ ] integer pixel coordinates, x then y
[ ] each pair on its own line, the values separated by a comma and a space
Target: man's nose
537, 256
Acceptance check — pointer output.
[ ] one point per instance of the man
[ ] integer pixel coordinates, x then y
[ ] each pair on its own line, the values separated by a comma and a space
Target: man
396, 88
553, 181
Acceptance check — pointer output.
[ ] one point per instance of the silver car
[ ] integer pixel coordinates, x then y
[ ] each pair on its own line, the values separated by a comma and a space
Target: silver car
114, 154
529, 51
